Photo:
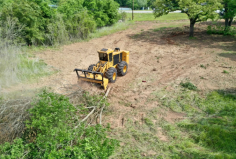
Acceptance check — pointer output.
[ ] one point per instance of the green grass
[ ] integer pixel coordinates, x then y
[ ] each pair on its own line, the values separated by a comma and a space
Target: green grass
226, 72
209, 128
30, 69
150, 17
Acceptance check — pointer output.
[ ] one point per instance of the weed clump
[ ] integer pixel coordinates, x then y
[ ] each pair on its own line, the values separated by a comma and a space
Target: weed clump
189, 86
226, 72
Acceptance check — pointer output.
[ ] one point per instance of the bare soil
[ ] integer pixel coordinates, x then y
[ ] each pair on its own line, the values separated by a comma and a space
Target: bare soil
158, 60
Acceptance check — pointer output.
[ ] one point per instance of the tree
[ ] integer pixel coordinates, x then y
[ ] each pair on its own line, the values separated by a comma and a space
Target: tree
105, 12
121, 2
129, 3
150, 3
34, 15
142, 3
229, 12
197, 10
76, 18
54, 1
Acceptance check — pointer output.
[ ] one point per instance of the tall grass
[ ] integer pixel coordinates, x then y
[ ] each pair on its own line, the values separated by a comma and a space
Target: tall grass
15, 65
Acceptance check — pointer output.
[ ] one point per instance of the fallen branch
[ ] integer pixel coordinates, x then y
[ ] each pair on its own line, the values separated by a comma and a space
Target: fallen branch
100, 120
96, 112
89, 114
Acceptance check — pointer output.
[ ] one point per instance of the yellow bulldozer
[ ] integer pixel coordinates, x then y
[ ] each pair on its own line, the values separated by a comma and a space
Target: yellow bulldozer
111, 63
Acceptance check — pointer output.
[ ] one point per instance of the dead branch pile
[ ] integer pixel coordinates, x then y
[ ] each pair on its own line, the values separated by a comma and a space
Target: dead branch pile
13, 113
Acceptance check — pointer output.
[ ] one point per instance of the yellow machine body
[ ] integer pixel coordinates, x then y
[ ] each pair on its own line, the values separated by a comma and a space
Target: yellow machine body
107, 58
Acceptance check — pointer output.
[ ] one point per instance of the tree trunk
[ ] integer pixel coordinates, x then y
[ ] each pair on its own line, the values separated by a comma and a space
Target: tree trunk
226, 16
192, 22
230, 21
226, 23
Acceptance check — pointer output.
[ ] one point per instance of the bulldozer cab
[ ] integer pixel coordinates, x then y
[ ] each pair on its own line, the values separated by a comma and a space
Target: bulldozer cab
113, 56
103, 57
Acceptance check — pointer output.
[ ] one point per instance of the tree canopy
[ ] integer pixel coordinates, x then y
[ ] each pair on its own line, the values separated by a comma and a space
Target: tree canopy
197, 10
41, 24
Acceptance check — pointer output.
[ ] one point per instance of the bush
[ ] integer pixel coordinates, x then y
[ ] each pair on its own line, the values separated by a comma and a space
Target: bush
218, 29
52, 132
123, 16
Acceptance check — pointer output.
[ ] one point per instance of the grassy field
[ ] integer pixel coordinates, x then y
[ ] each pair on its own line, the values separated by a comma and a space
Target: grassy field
207, 131
150, 17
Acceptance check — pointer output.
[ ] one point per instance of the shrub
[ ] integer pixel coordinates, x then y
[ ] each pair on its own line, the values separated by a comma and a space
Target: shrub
123, 16
218, 29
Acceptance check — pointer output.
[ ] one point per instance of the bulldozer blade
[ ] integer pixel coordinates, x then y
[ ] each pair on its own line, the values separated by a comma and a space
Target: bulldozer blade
92, 76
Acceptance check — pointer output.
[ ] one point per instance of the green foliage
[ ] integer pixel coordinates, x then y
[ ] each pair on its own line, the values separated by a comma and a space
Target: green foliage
207, 129
123, 16
225, 72
34, 16
229, 11
218, 29
188, 85
129, 3
54, 1
77, 21
148, 121
197, 10
218, 130
105, 12
202, 66
43, 25
54, 131
142, 3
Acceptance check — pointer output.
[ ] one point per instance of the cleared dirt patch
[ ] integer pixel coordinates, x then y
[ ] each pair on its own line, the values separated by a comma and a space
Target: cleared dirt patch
159, 55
